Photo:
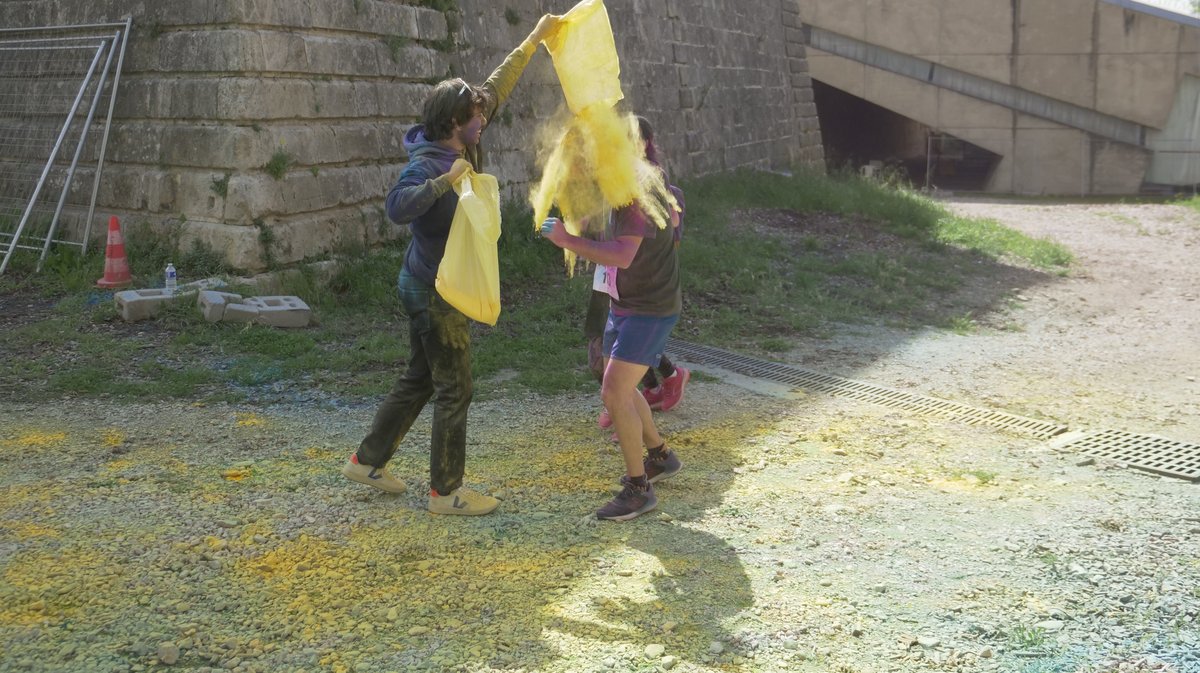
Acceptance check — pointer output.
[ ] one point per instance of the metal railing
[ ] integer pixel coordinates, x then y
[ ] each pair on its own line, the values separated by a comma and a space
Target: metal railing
53, 82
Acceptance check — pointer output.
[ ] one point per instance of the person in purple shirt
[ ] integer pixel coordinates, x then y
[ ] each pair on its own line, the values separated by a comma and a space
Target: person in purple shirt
643, 282
440, 150
663, 393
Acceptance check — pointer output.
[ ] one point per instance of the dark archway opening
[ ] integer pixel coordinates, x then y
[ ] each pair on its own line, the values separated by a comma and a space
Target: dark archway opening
866, 138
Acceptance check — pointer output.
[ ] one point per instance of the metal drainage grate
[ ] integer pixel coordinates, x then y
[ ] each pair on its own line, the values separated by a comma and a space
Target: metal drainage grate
1144, 452
866, 392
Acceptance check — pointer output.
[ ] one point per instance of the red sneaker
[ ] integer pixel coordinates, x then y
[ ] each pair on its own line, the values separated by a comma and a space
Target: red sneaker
605, 420
673, 388
654, 397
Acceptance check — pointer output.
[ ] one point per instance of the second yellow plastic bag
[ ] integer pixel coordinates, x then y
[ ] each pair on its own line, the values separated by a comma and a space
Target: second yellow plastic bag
469, 276
585, 57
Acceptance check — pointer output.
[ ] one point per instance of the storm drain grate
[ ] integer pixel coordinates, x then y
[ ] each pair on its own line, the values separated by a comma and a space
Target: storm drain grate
1144, 452
866, 392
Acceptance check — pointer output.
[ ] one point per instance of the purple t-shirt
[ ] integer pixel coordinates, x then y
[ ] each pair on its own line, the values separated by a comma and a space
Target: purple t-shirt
650, 286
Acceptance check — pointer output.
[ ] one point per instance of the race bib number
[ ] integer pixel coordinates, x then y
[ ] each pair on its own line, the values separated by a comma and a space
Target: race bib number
605, 280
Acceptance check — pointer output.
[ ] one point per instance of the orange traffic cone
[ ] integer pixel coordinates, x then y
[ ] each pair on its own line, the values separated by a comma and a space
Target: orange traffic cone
116, 267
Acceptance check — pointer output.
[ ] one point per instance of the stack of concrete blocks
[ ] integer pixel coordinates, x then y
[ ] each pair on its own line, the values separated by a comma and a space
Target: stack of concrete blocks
134, 305
272, 311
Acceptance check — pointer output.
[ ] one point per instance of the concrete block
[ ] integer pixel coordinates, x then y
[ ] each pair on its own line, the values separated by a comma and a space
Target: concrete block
239, 313
212, 303
134, 305
281, 311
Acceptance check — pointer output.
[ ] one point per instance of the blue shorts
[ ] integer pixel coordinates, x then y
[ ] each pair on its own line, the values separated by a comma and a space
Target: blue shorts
640, 339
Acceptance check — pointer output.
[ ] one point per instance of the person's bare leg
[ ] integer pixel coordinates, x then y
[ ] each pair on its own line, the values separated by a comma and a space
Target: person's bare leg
630, 413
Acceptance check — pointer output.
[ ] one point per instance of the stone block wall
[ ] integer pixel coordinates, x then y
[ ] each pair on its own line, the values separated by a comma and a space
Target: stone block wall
273, 128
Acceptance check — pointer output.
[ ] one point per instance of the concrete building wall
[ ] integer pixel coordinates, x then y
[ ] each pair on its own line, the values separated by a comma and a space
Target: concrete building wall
213, 90
1090, 53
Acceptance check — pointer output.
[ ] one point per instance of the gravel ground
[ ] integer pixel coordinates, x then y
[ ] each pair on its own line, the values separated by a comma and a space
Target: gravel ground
806, 532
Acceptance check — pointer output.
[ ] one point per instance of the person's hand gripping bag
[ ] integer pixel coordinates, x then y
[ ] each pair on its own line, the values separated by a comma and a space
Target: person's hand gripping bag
469, 276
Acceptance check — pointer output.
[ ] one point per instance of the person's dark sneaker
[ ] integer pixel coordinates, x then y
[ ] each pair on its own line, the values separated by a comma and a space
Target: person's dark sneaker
377, 477
673, 388
661, 465
630, 503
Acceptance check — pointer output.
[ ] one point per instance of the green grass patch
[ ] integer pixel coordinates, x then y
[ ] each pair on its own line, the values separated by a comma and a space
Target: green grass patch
963, 325
1027, 637
894, 257
746, 287
982, 476
994, 240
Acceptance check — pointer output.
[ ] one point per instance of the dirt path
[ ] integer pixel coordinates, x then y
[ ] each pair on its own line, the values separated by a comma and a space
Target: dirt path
806, 533
1114, 345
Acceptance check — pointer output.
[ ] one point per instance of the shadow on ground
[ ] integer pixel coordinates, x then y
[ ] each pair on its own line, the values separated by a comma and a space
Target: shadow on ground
229, 537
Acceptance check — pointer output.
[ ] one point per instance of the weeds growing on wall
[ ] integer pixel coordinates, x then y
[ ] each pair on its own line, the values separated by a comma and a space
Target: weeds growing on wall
439, 5
278, 165
395, 45
220, 186
266, 242
453, 22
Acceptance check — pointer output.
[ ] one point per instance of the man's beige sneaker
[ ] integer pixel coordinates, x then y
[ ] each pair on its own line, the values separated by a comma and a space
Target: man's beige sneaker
378, 477
462, 500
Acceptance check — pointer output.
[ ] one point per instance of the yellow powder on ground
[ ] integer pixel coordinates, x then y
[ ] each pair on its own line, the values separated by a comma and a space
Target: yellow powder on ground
34, 439
249, 420
22, 530
112, 437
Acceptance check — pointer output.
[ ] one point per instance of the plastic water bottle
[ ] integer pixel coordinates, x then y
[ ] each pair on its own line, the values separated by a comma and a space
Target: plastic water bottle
172, 279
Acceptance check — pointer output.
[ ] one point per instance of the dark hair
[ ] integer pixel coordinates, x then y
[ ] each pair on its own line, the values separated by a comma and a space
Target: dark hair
647, 133
451, 102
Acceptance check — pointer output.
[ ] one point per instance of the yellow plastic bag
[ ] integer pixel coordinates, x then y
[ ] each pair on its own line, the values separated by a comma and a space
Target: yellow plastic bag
585, 57
469, 275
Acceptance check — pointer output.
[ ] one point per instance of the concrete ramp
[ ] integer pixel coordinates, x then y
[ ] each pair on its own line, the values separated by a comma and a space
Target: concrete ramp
1072, 97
